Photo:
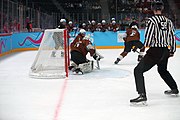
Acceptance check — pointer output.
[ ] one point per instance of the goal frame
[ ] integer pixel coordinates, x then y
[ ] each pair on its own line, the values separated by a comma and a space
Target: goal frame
66, 60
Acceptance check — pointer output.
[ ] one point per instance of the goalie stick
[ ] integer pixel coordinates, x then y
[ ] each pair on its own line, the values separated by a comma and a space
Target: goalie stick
97, 61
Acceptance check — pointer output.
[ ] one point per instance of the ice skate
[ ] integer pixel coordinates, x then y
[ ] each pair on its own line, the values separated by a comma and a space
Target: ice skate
71, 67
139, 101
173, 92
78, 71
117, 60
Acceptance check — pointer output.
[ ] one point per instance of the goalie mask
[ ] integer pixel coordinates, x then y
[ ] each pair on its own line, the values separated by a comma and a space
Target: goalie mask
82, 32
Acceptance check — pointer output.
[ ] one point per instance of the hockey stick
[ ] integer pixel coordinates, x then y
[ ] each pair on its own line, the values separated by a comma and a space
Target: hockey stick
135, 50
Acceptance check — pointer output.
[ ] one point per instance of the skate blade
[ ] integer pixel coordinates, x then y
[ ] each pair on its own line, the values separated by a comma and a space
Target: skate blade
77, 73
139, 104
173, 95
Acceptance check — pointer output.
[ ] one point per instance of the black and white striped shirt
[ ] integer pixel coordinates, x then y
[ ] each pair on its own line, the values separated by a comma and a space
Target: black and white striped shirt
159, 32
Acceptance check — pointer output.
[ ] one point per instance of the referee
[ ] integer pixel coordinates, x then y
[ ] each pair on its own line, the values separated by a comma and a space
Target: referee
159, 35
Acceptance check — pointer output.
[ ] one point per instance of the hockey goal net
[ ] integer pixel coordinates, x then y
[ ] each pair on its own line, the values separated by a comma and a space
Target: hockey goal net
53, 55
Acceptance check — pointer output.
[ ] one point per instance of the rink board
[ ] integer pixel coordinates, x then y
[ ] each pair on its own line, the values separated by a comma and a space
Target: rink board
31, 41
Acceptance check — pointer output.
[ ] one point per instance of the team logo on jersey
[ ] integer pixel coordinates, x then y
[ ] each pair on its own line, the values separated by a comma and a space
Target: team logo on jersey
132, 33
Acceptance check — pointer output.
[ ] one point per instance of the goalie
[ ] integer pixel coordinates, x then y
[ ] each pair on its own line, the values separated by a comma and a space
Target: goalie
79, 49
132, 38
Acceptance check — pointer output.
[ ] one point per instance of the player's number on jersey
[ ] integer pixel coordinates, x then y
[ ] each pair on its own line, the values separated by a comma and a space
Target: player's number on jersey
77, 44
163, 26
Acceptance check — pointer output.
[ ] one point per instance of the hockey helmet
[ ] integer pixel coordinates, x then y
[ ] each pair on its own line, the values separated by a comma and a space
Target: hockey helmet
157, 5
113, 19
113, 22
63, 20
93, 21
82, 31
84, 24
70, 22
103, 21
134, 26
99, 24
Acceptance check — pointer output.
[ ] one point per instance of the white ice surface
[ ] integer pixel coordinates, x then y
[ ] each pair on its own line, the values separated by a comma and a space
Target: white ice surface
101, 95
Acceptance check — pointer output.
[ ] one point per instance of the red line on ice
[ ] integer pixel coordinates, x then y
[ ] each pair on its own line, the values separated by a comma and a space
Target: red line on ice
61, 98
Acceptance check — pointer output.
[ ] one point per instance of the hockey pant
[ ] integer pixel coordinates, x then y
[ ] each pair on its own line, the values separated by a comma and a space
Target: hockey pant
130, 44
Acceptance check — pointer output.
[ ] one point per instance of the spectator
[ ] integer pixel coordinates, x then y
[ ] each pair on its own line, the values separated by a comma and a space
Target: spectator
99, 27
114, 26
104, 26
92, 26
29, 26
70, 26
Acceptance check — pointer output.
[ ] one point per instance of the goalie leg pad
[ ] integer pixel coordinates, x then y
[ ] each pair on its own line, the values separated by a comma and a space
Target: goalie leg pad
86, 67
73, 66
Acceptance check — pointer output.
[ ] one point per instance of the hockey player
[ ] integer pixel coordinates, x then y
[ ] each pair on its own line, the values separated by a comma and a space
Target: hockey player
134, 23
92, 26
70, 26
132, 38
114, 26
79, 49
104, 26
99, 27
62, 24
83, 26
159, 35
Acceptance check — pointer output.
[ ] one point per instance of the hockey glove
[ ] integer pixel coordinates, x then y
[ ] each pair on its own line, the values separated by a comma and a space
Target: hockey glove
134, 49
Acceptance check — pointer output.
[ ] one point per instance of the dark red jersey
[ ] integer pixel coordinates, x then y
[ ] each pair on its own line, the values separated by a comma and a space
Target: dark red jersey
114, 27
82, 46
132, 34
70, 28
92, 27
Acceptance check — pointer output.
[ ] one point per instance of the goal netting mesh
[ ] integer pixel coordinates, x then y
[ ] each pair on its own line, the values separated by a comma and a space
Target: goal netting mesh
52, 57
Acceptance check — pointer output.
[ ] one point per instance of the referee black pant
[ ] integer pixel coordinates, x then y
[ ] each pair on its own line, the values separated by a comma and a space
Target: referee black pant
154, 56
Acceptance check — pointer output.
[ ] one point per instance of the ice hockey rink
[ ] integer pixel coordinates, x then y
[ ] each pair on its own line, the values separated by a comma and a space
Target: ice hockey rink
100, 95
